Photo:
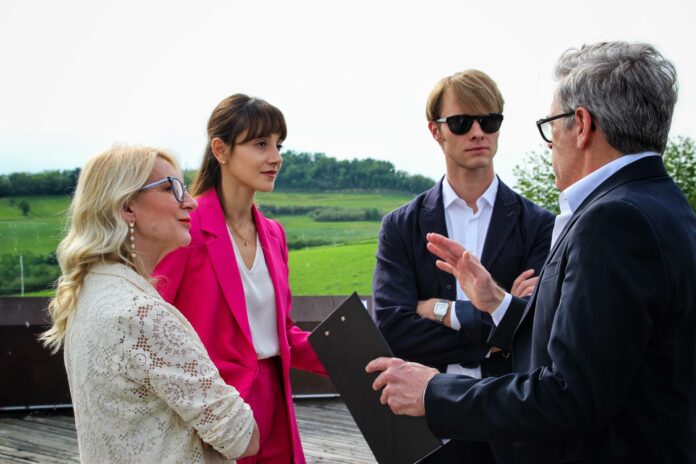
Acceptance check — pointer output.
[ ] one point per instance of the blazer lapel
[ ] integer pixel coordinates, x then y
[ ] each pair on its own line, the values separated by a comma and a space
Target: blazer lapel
431, 218
270, 246
503, 220
221, 253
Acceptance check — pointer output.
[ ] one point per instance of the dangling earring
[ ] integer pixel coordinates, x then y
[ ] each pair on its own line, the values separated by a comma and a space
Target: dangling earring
131, 234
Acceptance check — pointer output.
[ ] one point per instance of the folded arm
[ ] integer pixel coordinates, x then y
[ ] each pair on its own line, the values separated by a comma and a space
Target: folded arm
395, 297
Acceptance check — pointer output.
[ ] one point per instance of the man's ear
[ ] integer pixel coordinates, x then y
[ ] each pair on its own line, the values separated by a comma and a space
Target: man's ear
434, 131
584, 126
219, 149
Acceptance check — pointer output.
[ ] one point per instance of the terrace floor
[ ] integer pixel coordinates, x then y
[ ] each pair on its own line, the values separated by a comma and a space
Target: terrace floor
328, 432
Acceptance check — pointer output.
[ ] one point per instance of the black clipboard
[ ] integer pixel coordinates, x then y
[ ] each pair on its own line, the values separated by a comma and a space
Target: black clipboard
345, 342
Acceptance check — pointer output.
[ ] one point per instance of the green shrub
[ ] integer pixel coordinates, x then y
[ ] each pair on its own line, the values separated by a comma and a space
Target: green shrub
286, 210
345, 214
24, 207
40, 272
301, 243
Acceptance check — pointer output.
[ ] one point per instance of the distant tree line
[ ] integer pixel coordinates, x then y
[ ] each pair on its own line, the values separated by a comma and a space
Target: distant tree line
301, 171
316, 171
42, 183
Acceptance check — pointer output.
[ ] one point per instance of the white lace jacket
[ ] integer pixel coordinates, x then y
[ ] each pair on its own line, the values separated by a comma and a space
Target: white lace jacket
143, 387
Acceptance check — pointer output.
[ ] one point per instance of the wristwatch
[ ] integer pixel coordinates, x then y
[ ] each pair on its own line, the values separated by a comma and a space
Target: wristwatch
440, 310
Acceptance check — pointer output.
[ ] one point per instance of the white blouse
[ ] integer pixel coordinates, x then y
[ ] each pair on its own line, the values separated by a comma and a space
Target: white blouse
259, 294
142, 384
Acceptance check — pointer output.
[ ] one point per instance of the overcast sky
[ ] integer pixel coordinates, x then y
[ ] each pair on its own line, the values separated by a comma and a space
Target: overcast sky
351, 77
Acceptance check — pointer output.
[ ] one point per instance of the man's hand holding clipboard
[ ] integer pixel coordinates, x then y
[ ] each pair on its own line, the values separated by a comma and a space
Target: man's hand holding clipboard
402, 384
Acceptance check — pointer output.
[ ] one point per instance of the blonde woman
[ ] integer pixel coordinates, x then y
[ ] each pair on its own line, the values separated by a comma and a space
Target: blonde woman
142, 384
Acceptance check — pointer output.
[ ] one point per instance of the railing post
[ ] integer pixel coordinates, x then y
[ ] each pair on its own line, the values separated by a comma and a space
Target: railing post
21, 273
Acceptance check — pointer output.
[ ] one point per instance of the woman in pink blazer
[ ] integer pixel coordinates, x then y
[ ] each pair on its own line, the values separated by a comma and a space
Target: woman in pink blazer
232, 281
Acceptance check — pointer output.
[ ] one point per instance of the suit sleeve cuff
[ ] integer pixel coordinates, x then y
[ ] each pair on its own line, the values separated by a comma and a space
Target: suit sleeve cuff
500, 311
475, 325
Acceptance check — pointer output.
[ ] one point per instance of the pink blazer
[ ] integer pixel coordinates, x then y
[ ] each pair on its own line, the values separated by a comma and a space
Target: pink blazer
203, 282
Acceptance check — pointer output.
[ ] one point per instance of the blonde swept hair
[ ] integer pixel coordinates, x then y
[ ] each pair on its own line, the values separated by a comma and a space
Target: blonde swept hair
473, 88
96, 231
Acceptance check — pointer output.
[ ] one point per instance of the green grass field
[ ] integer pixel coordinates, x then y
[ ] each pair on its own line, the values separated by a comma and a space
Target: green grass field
384, 202
304, 228
333, 270
338, 269
39, 232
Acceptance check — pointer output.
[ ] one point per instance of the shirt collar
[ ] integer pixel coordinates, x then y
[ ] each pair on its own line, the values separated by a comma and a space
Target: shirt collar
572, 197
449, 196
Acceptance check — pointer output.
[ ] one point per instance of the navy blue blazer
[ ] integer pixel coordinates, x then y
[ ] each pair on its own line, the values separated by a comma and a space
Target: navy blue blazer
518, 238
605, 354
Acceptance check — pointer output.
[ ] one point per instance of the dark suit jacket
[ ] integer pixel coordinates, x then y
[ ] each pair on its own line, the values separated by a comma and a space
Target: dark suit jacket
518, 238
606, 350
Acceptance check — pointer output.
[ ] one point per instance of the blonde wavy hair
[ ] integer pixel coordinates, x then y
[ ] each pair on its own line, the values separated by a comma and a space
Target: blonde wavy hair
96, 231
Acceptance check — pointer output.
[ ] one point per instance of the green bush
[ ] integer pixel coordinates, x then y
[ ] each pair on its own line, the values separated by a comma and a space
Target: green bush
40, 272
24, 207
286, 210
345, 214
302, 243
536, 181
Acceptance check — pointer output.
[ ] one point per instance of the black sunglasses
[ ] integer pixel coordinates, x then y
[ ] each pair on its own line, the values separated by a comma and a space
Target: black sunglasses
460, 124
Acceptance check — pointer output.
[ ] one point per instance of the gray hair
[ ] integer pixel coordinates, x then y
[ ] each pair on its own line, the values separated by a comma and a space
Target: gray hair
629, 88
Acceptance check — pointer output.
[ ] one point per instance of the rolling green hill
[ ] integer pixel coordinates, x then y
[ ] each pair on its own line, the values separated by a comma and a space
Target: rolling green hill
336, 269
38, 232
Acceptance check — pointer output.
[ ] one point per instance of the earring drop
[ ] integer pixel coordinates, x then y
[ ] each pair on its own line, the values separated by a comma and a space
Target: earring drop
131, 226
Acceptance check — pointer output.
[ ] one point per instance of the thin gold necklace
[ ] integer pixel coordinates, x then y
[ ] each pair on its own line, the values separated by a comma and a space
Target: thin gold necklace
245, 239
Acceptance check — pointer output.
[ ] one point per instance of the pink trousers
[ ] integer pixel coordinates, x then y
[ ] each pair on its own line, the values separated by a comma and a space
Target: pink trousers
267, 401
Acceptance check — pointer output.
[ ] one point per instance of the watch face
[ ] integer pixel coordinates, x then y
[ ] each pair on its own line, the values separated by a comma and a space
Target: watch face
440, 308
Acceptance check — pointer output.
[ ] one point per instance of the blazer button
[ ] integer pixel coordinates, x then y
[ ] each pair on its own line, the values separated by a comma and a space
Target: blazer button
449, 286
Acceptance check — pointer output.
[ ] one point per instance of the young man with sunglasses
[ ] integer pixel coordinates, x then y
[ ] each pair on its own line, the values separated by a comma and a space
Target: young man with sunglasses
422, 312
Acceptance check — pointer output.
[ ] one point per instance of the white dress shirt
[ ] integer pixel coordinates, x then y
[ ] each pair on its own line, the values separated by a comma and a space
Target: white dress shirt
469, 228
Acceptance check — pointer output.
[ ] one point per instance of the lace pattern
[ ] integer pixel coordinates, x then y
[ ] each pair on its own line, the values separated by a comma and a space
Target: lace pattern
142, 384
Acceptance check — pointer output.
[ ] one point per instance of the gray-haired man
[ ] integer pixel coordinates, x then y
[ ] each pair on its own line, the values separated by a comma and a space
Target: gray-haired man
605, 353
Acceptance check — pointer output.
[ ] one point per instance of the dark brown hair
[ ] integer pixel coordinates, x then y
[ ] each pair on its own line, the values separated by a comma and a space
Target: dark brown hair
234, 116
